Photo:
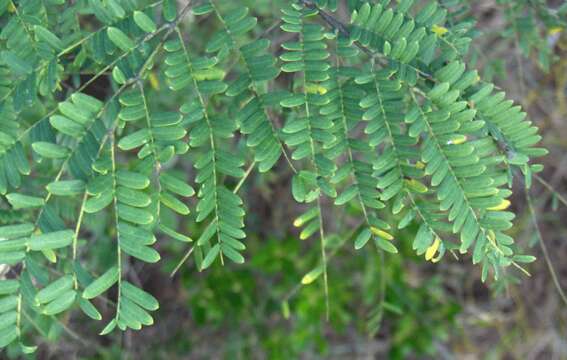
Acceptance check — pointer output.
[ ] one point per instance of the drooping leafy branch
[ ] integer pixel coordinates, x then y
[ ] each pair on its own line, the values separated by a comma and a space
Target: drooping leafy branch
381, 114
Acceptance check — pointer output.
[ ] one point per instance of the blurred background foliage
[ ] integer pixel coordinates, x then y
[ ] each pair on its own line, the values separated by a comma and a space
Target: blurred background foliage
381, 306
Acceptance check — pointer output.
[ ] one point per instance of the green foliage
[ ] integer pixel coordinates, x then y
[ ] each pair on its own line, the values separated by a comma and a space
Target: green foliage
532, 26
378, 117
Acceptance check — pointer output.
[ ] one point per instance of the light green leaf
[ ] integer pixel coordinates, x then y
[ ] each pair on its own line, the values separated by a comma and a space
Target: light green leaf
102, 283
362, 238
312, 275
144, 22
52, 240
62, 303
66, 187
43, 34
210, 257
120, 39
50, 150
54, 290
139, 296
89, 309
20, 201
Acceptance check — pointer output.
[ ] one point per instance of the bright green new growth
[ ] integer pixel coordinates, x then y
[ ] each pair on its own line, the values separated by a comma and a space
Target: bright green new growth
381, 115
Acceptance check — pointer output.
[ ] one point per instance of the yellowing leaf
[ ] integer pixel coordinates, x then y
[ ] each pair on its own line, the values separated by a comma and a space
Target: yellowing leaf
285, 309
416, 185
209, 74
492, 238
381, 233
439, 30
50, 255
555, 30
505, 204
430, 252
315, 89
457, 139
312, 275
154, 81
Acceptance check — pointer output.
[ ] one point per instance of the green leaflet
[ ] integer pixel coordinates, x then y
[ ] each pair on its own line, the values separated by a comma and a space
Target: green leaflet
54, 290
169, 10
7, 336
44, 34
132, 180
134, 215
66, 187
139, 296
136, 234
50, 150
18, 65
134, 140
144, 22
362, 239
133, 316
174, 234
12, 257
89, 309
121, 40
101, 284
211, 256
86, 102
8, 319
20, 201
118, 76
132, 197
8, 303
108, 328
176, 185
15, 231
98, 202
8, 286
138, 250
50, 241
60, 304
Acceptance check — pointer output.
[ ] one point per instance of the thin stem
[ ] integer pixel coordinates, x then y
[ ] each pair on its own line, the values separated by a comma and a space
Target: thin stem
243, 179
153, 149
77, 229
543, 247
313, 150
550, 188
183, 260
330, 256
115, 205
323, 259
